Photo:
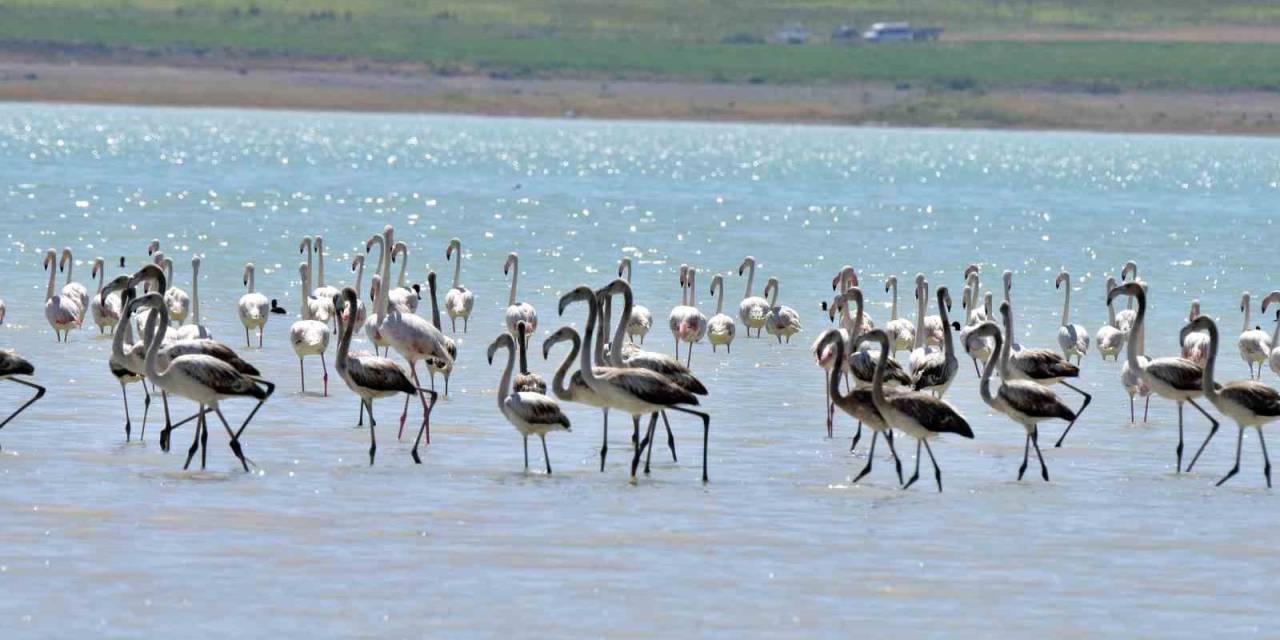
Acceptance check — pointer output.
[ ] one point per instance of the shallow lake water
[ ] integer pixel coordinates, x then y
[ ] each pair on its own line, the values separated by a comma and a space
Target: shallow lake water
108, 538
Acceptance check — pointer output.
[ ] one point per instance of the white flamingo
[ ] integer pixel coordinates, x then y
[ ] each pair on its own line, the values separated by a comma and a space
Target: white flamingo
721, 327
253, 307
921, 349
203, 379
412, 336
1248, 402
641, 319
753, 309
310, 335
1273, 360
530, 413
177, 300
902, 334
977, 346
1126, 316
403, 297
938, 370
195, 330
1073, 339
782, 321
322, 294
458, 301
844, 280
1022, 401
73, 289
517, 312
688, 325
972, 276
1254, 343
372, 377
373, 323
1110, 338
63, 311
1177, 379
1133, 383
1195, 344
104, 309
313, 308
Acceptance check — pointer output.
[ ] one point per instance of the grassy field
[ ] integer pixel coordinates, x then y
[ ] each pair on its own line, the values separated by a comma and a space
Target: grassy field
683, 39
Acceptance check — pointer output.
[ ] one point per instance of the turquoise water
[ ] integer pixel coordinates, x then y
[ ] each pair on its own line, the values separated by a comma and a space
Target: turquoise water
108, 538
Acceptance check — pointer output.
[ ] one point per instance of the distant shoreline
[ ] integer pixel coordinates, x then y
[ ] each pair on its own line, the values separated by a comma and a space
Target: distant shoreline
272, 83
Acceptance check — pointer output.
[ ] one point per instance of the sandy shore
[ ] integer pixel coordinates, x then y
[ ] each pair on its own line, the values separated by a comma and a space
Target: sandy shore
291, 84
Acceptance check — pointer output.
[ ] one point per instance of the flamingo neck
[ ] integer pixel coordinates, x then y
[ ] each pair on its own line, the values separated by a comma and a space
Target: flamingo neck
306, 288
837, 366
584, 364
348, 328
195, 293
558, 384
71, 264
102, 274
948, 346
404, 267
602, 331
435, 308
1206, 380
384, 265
1066, 302
251, 287
1135, 334
997, 355
48, 292
504, 386
877, 379
319, 263
515, 278
751, 278
1111, 314
693, 291
922, 307
522, 343
359, 277
1244, 302
457, 266
124, 333
893, 309
720, 298
157, 325
619, 334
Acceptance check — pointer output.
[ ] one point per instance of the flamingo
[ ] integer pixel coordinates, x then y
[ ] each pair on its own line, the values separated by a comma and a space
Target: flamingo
1248, 402
687, 323
782, 321
914, 413
641, 319
721, 327
972, 279
1110, 337
1022, 401
310, 336
1195, 345
938, 369
517, 311
1043, 366
860, 362
753, 309
322, 290
372, 323
1126, 316
357, 266
932, 327
127, 367
435, 366
409, 334
901, 332
195, 330
921, 349
313, 308
978, 347
857, 403
525, 381
203, 379
528, 412
252, 308
576, 390
1273, 360
104, 309
322, 295
175, 298
458, 301
846, 278
372, 377
72, 289
1176, 379
1072, 338
12, 364
1254, 344
63, 311
402, 297
633, 390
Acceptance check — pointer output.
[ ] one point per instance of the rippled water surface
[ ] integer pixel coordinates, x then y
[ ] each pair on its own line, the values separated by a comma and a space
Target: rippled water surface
102, 537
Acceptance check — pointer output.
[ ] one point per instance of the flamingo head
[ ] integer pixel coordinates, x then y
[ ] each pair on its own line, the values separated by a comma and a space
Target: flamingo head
306, 244
747, 262
577, 294
1130, 269
1063, 278
512, 261
503, 340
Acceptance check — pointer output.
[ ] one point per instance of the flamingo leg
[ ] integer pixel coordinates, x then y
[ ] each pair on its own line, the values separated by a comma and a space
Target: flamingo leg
39, 393
1133, 418
128, 426
1236, 469
1026, 453
373, 437
545, 456
325, 367
1212, 430
203, 423
232, 441
706, 434
604, 439
1266, 460
302, 374
1087, 399
1035, 442
271, 388
426, 422
671, 437
888, 437
146, 408
195, 442
830, 413
871, 454
1178, 468
916, 475
1146, 408
857, 435
247, 344
526, 454
635, 461
937, 472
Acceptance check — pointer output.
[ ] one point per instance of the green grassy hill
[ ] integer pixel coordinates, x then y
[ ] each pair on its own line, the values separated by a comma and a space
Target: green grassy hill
685, 39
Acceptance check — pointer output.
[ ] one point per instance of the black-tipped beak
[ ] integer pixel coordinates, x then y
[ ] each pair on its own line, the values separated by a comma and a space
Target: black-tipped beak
955, 325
